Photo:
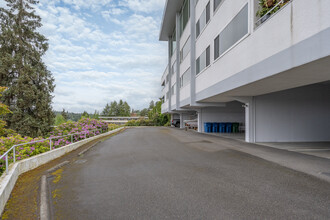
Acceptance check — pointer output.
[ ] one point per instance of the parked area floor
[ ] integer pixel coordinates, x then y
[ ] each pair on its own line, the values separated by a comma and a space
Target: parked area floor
236, 136
319, 149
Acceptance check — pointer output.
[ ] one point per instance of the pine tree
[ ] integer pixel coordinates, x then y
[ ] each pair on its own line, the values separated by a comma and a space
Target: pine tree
22, 70
84, 115
106, 110
65, 114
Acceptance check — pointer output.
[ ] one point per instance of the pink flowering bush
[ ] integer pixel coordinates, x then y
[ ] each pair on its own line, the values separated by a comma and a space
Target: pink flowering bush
85, 127
80, 130
22, 152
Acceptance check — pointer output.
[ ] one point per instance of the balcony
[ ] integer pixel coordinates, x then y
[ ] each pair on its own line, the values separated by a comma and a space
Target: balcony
288, 49
164, 107
267, 9
163, 79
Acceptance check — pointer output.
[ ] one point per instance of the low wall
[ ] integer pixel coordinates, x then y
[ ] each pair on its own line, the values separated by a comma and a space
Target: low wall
7, 181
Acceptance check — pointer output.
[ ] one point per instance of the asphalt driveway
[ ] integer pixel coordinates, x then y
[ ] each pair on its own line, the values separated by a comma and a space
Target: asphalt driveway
163, 173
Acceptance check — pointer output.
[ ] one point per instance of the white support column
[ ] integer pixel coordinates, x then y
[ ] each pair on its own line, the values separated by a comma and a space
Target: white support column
199, 120
192, 54
250, 121
181, 120
250, 118
177, 60
169, 76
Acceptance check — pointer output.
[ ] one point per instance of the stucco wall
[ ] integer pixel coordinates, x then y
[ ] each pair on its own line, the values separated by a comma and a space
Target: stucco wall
296, 22
301, 114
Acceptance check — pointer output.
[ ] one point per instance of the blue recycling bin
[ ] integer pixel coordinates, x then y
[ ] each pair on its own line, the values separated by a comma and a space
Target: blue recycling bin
207, 127
222, 127
229, 127
215, 127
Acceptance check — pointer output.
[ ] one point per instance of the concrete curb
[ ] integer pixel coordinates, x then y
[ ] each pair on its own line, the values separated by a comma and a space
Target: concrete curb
84, 151
57, 166
7, 181
43, 199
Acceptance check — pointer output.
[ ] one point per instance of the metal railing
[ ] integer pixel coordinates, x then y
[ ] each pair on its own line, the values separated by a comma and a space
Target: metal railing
13, 148
268, 14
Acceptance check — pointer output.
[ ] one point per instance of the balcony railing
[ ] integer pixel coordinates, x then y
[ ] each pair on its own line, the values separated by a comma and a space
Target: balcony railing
271, 11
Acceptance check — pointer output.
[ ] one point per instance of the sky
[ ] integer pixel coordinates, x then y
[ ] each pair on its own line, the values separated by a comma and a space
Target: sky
103, 50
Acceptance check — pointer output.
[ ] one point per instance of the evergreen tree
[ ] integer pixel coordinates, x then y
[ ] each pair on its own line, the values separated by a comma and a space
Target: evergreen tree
22, 70
4, 110
151, 105
65, 114
85, 115
114, 110
117, 109
144, 112
96, 115
106, 110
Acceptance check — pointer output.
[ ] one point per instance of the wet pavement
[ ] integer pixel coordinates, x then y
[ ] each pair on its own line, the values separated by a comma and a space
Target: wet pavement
164, 173
24, 201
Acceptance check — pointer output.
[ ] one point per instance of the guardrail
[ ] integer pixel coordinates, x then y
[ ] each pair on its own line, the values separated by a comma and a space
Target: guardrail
268, 14
13, 148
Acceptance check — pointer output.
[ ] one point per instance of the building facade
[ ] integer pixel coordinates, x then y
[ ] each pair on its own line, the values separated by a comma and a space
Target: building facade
270, 72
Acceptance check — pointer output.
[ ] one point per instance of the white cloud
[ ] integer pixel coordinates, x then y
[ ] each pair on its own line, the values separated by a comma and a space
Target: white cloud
95, 62
144, 5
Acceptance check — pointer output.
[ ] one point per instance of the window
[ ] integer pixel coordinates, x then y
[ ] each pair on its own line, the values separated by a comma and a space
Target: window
174, 68
203, 20
185, 78
173, 42
167, 95
173, 89
185, 15
167, 78
232, 33
216, 3
185, 50
203, 60
216, 47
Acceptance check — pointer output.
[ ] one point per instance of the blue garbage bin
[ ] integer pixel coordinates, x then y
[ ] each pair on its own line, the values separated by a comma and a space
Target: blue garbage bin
207, 127
215, 127
222, 127
229, 127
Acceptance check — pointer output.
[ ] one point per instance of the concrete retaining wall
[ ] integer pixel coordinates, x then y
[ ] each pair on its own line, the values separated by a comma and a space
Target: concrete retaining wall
7, 181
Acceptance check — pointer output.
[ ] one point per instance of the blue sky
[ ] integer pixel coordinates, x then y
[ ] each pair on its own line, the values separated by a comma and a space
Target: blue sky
103, 50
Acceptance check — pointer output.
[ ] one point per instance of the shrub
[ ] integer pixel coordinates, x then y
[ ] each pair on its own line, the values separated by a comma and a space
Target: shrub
86, 125
140, 122
113, 126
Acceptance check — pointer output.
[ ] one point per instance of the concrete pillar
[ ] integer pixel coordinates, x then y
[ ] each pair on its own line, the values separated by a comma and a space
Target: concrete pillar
192, 53
250, 120
177, 61
169, 75
181, 120
199, 120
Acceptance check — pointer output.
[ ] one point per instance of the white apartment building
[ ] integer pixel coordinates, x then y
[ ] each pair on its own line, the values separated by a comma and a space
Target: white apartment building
227, 64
